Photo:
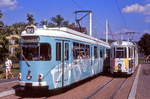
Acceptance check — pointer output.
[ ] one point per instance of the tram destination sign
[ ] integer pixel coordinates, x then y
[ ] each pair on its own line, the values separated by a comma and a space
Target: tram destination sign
30, 39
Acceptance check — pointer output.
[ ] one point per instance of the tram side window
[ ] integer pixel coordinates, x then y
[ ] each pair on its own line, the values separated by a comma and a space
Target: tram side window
66, 51
95, 52
58, 51
45, 51
30, 52
36, 51
101, 53
87, 51
81, 51
114, 52
130, 52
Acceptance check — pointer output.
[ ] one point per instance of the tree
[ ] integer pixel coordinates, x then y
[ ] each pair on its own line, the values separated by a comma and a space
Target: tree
1, 14
4, 43
44, 22
17, 28
58, 20
30, 19
1, 22
144, 44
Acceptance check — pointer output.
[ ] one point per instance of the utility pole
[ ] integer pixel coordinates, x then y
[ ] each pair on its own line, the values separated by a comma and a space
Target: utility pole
107, 30
78, 20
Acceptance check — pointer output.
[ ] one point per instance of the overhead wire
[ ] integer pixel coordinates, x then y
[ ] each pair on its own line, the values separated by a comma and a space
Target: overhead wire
122, 17
76, 4
97, 21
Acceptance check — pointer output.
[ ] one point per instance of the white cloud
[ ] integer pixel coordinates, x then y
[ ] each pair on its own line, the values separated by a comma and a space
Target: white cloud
141, 9
10, 3
137, 8
134, 8
146, 31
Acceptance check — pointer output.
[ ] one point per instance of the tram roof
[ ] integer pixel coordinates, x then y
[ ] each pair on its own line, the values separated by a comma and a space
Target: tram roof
123, 43
65, 32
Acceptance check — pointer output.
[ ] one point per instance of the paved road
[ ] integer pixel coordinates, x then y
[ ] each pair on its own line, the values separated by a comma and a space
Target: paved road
94, 88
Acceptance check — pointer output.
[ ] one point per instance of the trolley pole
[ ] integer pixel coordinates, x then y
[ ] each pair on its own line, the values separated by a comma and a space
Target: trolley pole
90, 23
107, 27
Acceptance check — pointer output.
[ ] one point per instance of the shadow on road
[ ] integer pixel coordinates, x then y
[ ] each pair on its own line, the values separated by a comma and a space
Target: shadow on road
37, 93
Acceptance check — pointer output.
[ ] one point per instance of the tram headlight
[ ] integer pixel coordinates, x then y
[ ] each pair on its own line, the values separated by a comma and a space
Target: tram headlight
29, 76
19, 76
40, 77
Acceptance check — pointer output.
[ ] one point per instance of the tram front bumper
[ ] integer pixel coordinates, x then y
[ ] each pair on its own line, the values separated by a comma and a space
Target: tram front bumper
33, 84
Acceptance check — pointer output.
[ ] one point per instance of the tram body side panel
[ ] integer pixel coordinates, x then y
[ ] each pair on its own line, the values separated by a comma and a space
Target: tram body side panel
52, 70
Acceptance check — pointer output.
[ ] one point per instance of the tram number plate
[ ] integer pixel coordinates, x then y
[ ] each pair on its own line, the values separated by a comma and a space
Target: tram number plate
28, 84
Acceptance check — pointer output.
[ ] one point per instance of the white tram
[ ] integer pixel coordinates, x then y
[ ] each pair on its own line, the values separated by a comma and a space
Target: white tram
124, 57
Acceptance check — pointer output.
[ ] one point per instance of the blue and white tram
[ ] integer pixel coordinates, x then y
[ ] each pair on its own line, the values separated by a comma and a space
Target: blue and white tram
58, 57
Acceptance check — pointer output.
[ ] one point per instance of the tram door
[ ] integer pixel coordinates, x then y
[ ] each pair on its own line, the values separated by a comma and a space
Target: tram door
62, 58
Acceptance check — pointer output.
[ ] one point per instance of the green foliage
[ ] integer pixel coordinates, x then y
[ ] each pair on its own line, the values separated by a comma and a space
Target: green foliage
4, 43
58, 21
144, 44
30, 19
17, 28
15, 70
1, 22
44, 22
1, 14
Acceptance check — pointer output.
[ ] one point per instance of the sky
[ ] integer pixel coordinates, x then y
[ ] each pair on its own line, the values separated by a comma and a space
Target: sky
123, 15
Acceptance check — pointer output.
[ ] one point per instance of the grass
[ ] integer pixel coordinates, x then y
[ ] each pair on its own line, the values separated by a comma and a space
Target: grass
15, 70
141, 60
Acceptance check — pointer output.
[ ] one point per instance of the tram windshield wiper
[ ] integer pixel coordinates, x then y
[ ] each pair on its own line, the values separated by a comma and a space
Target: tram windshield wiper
25, 60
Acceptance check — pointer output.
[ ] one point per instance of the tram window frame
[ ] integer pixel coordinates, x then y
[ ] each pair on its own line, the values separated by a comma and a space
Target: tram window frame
114, 50
36, 57
95, 52
81, 50
66, 51
122, 51
49, 52
58, 51
101, 53
130, 52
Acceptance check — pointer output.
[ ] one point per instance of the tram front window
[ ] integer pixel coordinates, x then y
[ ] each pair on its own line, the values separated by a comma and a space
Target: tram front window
36, 52
121, 52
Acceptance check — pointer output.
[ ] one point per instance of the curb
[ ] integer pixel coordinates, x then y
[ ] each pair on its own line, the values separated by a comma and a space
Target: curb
132, 93
7, 93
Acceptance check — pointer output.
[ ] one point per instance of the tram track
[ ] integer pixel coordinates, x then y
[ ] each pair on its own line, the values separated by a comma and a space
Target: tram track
99, 89
119, 86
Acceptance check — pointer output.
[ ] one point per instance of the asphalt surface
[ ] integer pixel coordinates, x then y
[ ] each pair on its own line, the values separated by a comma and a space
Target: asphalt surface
94, 88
